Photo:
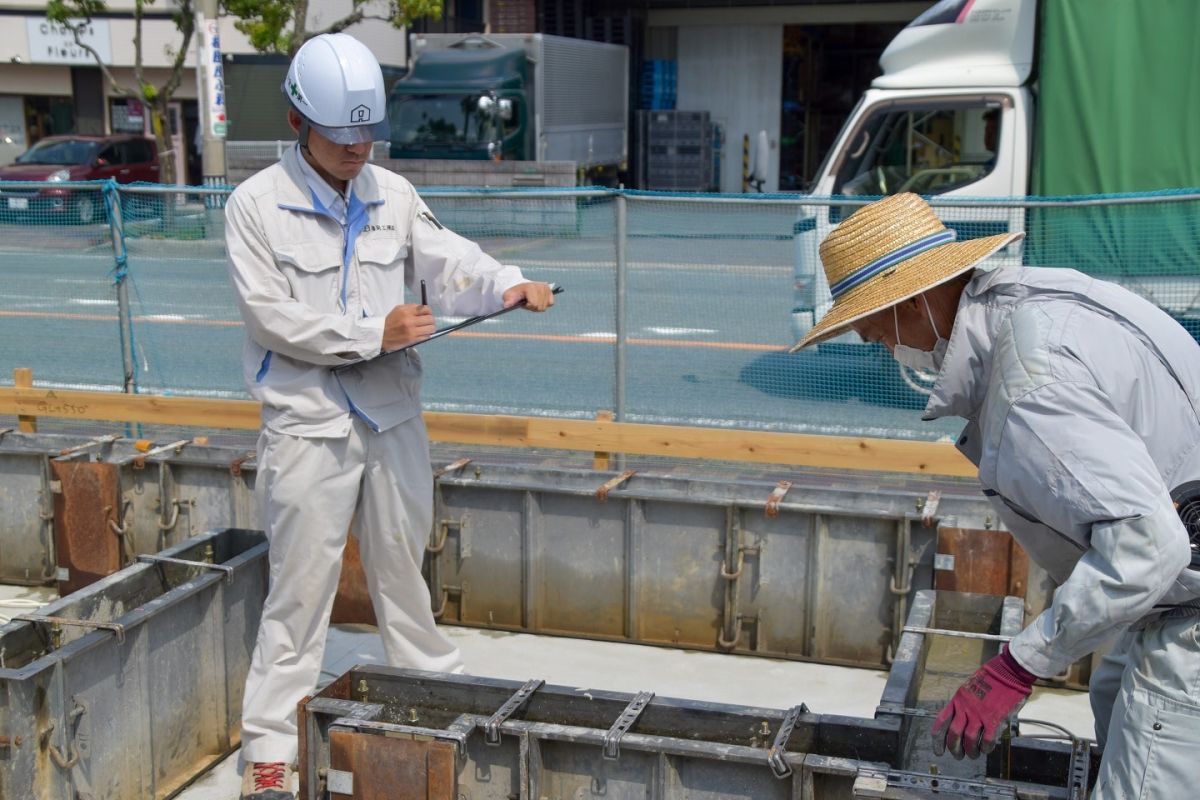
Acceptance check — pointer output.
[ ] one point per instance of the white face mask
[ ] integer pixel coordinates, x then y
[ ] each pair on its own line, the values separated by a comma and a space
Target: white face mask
922, 360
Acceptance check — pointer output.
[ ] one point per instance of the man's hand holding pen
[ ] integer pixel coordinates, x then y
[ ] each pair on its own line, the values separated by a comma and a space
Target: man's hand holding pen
408, 323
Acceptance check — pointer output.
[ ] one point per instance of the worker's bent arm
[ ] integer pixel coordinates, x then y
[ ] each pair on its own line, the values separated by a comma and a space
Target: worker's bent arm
1068, 459
462, 279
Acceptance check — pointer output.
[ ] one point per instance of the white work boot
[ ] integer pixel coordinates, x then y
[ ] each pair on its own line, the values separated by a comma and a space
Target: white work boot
268, 780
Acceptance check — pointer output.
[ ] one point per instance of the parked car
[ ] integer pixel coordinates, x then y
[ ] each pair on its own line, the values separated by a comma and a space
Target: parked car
56, 159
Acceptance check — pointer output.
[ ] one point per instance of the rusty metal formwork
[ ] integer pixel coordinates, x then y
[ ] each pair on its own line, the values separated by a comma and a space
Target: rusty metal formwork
448, 737
74, 509
126, 689
754, 562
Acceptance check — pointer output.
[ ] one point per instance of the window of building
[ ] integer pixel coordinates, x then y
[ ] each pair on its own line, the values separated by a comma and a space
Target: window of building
49, 116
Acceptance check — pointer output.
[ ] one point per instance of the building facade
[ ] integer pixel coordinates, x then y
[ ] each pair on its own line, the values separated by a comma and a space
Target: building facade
49, 85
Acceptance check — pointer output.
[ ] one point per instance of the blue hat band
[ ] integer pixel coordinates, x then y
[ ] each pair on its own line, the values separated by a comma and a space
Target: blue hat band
886, 262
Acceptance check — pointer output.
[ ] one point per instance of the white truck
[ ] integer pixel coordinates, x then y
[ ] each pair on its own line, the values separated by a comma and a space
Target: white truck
963, 109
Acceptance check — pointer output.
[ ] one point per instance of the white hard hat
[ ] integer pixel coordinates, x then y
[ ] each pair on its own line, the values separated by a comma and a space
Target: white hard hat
335, 83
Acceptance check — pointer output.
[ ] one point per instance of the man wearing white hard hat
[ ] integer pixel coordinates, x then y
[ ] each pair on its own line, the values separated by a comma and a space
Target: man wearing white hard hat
1082, 403
326, 253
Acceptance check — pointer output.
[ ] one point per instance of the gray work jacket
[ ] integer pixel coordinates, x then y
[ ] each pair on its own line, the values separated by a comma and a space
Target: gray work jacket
314, 290
1083, 409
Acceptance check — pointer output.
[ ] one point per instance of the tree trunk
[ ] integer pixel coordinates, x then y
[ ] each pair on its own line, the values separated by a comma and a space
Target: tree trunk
166, 161
162, 139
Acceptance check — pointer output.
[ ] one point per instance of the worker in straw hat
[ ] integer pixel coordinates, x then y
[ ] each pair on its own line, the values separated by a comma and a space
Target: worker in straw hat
1082, 403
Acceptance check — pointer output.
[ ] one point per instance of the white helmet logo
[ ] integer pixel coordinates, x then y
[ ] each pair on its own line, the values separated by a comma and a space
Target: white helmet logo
294, 91
360, 114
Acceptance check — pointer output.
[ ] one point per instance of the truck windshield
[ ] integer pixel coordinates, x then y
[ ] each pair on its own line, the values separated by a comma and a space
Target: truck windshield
453, 120
928, 149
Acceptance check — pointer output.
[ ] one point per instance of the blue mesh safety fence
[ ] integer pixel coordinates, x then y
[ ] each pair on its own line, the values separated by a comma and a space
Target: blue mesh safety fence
678, 308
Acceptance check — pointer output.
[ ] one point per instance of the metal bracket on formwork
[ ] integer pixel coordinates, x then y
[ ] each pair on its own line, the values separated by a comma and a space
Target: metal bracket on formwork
777, 495
731, 574
987, 637
100, 441
115, 627
930, 506
602, 492
139, 461
1081, 765
775, 756
183, 562
453, 466
235, 466
872, 782
491, 728
612, 739
5, 432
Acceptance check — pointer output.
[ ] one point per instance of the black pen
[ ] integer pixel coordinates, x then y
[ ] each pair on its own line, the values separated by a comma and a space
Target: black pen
424, 299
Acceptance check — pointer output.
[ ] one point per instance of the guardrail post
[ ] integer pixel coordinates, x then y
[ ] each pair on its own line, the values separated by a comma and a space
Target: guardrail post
622, 211
23, 379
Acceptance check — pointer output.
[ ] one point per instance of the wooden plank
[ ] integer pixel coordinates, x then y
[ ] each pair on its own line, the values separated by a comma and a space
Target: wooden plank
674, 441
144, 408
838, 452
600, 459
23, 379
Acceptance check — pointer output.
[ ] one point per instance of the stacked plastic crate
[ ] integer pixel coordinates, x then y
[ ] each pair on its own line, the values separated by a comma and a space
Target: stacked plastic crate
656, 88
674, 151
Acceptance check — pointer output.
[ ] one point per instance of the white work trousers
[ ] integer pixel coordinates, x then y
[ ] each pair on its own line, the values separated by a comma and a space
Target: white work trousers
309, 490
1146, 699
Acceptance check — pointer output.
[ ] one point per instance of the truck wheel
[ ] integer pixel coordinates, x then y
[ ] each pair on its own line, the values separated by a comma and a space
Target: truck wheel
85, 209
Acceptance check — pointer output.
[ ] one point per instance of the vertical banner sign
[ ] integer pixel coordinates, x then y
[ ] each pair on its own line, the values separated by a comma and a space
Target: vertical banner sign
212, 76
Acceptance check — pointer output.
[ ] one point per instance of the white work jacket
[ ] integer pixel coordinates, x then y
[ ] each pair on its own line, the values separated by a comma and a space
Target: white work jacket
1083, 409
314, 290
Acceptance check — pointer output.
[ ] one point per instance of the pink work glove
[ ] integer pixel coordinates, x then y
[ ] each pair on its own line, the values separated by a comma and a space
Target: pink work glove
971, 720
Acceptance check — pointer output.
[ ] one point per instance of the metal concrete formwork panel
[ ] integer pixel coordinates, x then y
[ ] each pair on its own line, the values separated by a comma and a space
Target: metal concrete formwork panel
824, 573
454, 737
27, 554
73, 509
820, 567
129, 687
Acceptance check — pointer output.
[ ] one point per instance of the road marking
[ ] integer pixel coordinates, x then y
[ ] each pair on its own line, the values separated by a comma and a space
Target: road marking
169, 319
608, 338
679, 331
595, 337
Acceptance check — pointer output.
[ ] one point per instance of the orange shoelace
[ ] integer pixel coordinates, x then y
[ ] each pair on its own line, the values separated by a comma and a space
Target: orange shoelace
269, 775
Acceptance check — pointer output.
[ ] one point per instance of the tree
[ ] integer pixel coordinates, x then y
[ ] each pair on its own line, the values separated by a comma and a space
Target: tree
281, 26
75, 15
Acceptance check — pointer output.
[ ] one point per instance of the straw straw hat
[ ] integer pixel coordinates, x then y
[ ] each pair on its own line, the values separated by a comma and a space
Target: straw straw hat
887, 252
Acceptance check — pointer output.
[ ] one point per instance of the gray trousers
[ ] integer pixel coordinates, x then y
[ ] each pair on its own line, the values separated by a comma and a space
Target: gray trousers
1145, 696
309, 490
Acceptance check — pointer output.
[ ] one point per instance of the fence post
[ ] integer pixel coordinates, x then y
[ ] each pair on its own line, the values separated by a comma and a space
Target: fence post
23, 379
622, 212
120, 275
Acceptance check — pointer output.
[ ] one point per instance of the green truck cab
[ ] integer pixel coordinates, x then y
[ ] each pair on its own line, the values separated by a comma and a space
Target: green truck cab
465, 103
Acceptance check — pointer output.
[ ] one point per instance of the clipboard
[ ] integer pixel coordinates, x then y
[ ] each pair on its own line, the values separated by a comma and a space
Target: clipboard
440, 332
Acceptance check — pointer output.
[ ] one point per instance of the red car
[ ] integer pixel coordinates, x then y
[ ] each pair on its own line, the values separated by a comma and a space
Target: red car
56, 159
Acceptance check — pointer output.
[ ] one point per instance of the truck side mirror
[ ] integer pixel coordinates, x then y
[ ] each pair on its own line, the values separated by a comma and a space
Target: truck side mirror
506, 109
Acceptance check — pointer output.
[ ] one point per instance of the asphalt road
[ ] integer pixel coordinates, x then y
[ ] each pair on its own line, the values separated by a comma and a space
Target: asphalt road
708, 298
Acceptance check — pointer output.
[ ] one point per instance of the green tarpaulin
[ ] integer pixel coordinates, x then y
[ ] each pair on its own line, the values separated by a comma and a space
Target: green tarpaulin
1118, 111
